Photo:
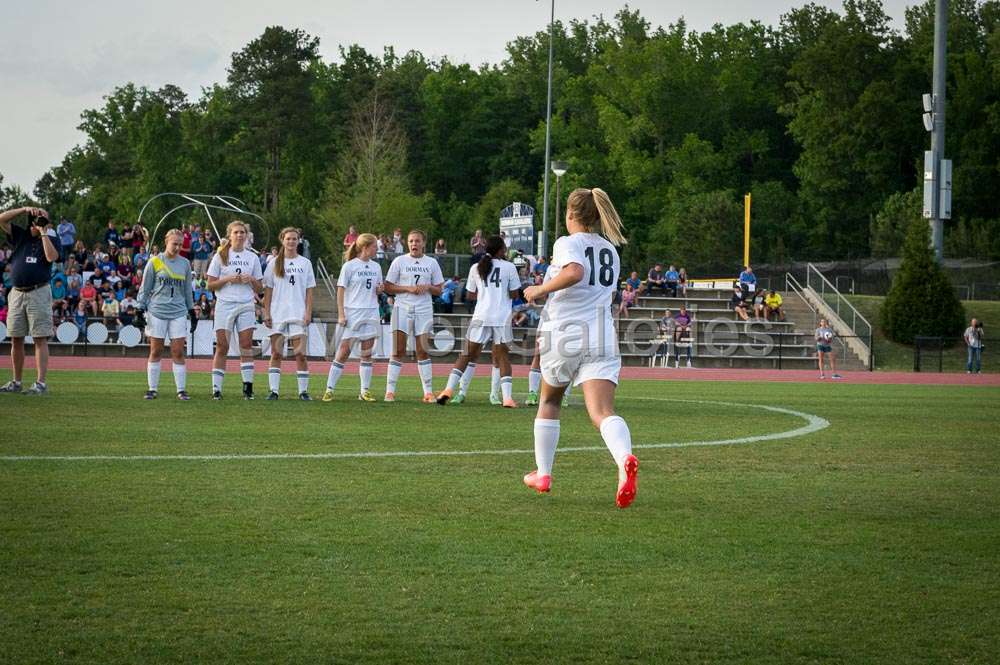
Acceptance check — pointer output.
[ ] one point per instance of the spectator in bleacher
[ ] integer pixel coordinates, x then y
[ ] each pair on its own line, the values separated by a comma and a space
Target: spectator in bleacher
73, 284
449, 292
352, 235
683, 338
186, 240
59, 292
671, 278
111, 234
736, 302
201, 250
682, 282
126, 316
397, 241
88, 297
109, 309
97, 278
139, 259
67, 238
636, 282
80, 317
973, 337
305, 248
440, 247
139, 237
772, 306
627, 300
655, 279
748, 281
129, 299
758, 305
477, 245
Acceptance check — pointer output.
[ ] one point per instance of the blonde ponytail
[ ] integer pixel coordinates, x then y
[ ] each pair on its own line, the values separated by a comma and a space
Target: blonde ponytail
611, 223
362, 241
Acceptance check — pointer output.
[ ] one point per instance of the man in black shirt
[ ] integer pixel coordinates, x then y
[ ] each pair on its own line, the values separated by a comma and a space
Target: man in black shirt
30, 299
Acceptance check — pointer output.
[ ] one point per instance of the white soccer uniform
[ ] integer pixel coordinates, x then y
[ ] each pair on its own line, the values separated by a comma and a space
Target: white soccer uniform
360, 279
288, 298
412, 313
492, 316
234, 307
579, 341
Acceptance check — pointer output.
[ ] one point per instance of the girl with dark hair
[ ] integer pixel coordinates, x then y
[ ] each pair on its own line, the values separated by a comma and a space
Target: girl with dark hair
493, 283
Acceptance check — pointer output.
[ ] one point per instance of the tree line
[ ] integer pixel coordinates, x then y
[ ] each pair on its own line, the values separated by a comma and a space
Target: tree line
817, 117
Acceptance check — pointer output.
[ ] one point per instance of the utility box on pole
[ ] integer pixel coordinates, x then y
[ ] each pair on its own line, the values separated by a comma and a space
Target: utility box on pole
930, 185
944, 189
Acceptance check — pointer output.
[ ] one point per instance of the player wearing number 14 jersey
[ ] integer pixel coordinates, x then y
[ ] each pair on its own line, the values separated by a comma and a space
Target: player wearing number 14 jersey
493, 282
578, 340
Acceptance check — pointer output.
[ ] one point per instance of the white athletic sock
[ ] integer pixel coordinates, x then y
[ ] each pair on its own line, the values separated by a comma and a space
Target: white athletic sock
546, 440
454, 378
274, 379
617, 438
180, 376
218, 375
392, 377
153, 375
365, 372
534, 380
246, 372
470, 372
302, 378
495, 381
426, 370
336, 369
507, 387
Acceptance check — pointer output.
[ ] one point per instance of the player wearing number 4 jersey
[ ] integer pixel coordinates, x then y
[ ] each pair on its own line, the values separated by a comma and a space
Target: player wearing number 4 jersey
358, 319
167, 297
578, 340
493, 282
235, 276
288, 296
414, 279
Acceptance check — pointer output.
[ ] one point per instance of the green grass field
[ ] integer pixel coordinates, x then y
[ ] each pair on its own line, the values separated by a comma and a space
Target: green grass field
876, 539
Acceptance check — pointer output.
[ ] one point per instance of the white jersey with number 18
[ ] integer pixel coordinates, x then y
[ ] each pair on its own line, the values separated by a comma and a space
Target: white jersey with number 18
586, 304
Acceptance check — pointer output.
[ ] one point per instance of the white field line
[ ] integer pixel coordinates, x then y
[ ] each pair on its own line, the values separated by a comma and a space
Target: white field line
812, 424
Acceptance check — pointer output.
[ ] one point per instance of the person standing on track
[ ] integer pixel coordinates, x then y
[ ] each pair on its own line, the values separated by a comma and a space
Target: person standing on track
167, 298
358, 288
414, 279
494, 283
579, 341
235, 276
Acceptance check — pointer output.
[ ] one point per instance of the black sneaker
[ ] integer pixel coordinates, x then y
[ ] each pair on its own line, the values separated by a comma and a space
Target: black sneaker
183, 396
217, 395
305, 397
248, 391
273, 396
150, 394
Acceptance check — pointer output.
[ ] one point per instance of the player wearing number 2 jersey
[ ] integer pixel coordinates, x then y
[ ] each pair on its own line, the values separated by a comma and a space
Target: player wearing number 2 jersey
493, 282
358, 319
288, 295
414, 279
235, 276
579, 344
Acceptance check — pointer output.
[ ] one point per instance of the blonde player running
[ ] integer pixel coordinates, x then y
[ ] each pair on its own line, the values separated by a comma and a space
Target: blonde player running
235, 276
167, 297
579, 342
413, 279
493, 282
358, 287
288, 297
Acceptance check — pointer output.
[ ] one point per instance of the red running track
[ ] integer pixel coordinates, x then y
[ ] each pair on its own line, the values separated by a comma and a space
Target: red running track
104, 364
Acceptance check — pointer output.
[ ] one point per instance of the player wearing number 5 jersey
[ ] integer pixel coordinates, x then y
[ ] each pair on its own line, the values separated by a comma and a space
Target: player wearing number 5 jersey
358, 319
414, 279
235, 276
288, 296
578, 340
167, 297
493, 282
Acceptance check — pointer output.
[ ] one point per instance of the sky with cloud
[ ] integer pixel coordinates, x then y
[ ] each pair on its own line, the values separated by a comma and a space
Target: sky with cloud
60, 57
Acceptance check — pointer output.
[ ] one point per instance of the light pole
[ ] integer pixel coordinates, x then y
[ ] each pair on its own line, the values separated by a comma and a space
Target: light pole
559, 168
937, 169
543, 242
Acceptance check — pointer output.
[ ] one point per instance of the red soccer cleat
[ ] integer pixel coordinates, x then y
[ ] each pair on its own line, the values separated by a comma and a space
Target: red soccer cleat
445, 396
626, 482
541, 484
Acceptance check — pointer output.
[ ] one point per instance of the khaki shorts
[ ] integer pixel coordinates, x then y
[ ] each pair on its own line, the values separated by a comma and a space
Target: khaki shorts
30, 313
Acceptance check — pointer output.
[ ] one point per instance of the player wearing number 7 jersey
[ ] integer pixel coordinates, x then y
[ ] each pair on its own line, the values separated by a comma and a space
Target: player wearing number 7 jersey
414, 279
493, 282
579, 344
358, 287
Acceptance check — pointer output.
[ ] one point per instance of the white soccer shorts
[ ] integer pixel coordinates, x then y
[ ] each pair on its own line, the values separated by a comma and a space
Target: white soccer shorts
238, 316
559, 369
165, 329
362, 324
288, 329
411, 321
480, 334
